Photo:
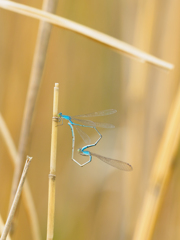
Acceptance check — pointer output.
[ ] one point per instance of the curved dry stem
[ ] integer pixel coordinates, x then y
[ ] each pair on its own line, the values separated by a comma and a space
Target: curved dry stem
160, 174
87, 32
26, 193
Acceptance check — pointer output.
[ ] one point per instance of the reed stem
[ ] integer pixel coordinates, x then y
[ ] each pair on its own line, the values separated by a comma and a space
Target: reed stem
33, 89
26, 192
16, 200
102, 38
52, 174
2, 227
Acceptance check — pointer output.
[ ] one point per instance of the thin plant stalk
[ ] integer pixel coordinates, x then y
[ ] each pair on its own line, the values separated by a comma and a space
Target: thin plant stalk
108, 41
160, 174
2, 227
16, 200
52, 174
26, 192
34, 84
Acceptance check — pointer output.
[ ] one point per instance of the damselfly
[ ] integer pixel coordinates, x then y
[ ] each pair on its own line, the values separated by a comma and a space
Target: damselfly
88, 124
113, 162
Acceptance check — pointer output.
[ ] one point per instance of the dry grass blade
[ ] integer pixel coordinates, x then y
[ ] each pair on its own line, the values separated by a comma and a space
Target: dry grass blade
87, 32
16, 200
160, 174
52, 174
26, 193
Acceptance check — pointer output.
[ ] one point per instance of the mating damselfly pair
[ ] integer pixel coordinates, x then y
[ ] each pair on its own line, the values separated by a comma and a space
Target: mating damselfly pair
90, 124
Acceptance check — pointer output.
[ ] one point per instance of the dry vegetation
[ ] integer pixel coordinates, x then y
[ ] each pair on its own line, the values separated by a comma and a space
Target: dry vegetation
96, 201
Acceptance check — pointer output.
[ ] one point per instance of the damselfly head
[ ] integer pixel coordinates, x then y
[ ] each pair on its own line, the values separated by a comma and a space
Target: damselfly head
59, 117
79, 150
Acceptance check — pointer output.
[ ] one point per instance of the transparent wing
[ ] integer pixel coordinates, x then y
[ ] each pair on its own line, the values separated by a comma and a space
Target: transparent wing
83, 135
97, 114
115, 163
93, 124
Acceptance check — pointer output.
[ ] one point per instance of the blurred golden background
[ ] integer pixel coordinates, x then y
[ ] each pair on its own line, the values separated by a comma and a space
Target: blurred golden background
96, 201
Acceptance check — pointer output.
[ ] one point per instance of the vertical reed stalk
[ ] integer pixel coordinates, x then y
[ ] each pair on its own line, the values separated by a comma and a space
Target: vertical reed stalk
16, 200
34, 85
52, 174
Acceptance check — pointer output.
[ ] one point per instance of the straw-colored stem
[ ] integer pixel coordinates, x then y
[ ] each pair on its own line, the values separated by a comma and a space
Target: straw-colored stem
26, 193
16, 200
160, 174
87, 32
35, 80
52, 174
2, 227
